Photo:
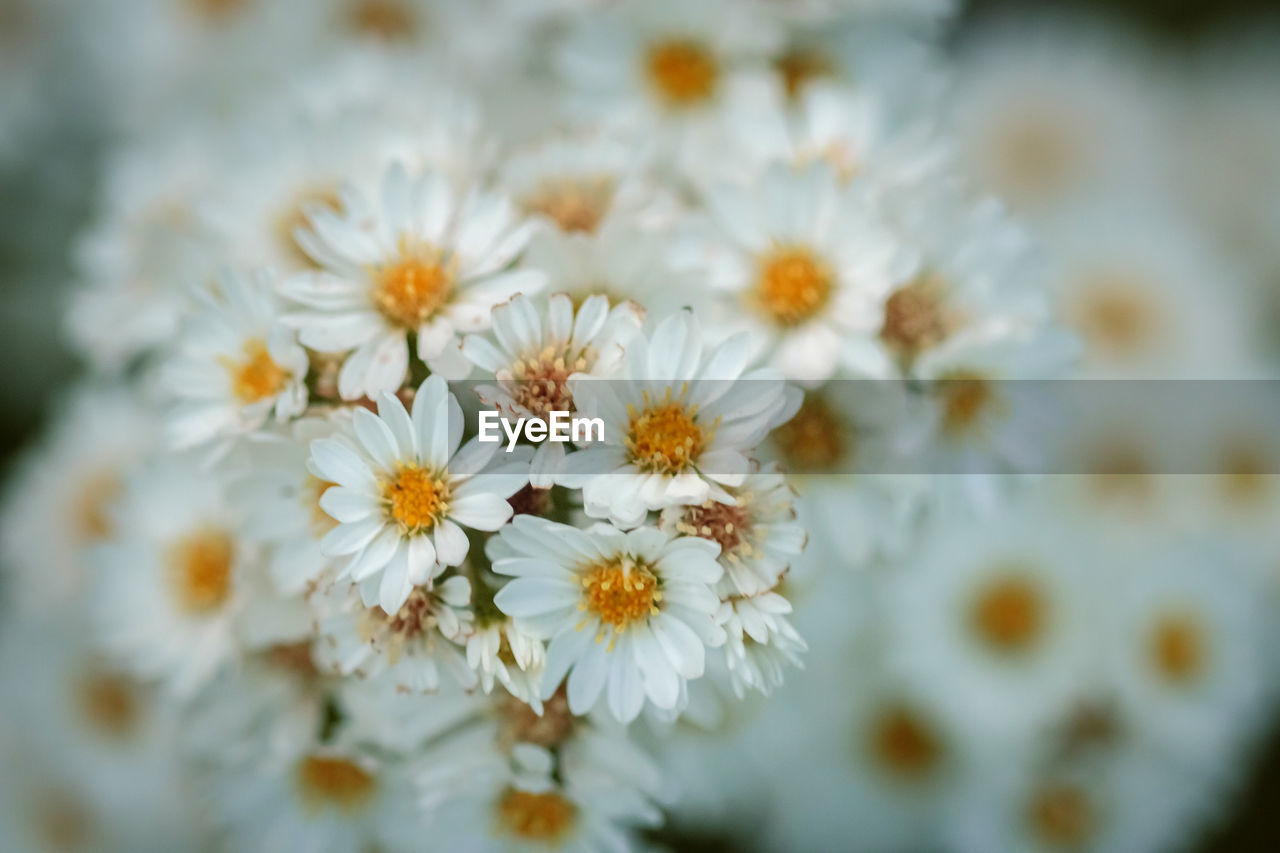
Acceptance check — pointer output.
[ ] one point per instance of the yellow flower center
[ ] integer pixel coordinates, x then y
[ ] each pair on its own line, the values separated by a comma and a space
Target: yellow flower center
620, 593
1177, 649
383, 19
665, 438
1061, 816
256, 377
410, 290
814, 440
913, 317
295, 217
965, 397
903, 743
109, 703
544, 817
524, 725
419, 498
574, 205
334, 783
798, 67
1009, 615
793, 287
682, 71
200, 571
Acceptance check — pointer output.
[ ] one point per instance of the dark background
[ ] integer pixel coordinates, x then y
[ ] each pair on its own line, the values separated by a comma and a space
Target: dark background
41, 211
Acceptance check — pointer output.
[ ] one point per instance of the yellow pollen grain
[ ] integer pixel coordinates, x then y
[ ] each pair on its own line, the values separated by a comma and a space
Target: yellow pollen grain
334, 783
1177, 649
903, 743
200, 571
544, 817
409, 290
814, 441
1061, 816
682, 72
1009, 614
256, 376
793, 286
620, 593
418, 498
665, 437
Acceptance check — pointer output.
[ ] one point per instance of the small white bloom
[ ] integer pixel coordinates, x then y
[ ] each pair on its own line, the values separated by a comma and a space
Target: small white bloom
405, 491
678, 423
421, 258
235, 365
761, 641
629, 615
498, 649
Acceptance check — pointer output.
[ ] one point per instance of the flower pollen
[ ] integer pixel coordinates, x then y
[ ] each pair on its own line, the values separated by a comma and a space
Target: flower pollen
1009, 614
200, 568
544, 817
256, 377
387, 20
682, 71
410, 290
913, 317
813, 440
1061, 816
665, 437
418, 498
793, 287
1177, 649
620, 593
903, 743
334, 783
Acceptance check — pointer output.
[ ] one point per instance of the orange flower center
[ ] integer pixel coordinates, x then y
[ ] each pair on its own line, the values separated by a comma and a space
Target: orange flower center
965, 397
109, 703
410, 290
683, 72
574, 205
814, 440
335, 783
1178, 649
1061, 816
793, 287
383, 19
665, 438
543, 817
903, 743
1009, 615
418, 498
256, 377
620, 593
1116, 315
201, 571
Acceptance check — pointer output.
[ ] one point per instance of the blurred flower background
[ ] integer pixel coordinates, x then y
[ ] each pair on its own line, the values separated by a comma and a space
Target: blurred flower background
259, 595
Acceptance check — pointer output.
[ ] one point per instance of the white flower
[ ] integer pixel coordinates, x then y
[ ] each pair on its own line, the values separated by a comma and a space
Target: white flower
678, 423
761, 641
235, 366
498, 649
629, 615
410, 646
404, 487
170, 582
534, 356
757, 533
422, 258
803, 263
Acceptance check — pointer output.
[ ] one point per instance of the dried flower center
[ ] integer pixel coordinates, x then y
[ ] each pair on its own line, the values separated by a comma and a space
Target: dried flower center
1178, 648
724, 524
799, 67
903, 743
682, 71
620, 593
410, 290
335, 783
1116, 315
295, 217
418, 497
1061, 816
109, 703
913, 317
794, 286
544, 817
539, 381
414, 618
92, 508
383, 19
256, 377
665, 438
200, 570
62, 821
1009, 615
574, 205
814, 440
966, 396
549, 730
531, 501
293, 659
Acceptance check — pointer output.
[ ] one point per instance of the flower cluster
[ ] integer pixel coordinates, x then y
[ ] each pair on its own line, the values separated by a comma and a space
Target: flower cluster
268, 587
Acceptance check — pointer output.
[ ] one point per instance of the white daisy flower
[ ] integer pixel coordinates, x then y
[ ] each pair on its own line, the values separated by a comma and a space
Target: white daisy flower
678, 422
757, 533
803, 263
533, 358
498, 650
630, 612
991, 620
235, 365
410, 647
421, 258
761, 641
169, 583
404, 488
